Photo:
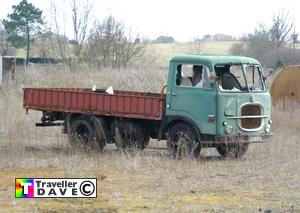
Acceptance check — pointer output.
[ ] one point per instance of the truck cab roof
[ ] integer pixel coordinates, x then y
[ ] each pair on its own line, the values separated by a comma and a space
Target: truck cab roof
213, 59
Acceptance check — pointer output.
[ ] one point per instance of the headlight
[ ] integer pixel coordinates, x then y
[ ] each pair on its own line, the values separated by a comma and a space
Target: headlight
229, 130
268, 128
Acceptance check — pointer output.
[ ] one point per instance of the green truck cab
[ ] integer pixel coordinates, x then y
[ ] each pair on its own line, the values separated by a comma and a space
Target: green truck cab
223, 98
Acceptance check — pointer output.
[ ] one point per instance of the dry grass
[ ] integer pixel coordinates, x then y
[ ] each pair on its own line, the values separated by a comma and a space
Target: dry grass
267, 178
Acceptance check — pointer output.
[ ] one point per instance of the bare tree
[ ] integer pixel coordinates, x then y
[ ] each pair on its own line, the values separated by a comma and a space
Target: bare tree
294, 38
60, 40
104, 40
281, 28
80, 16
43, 44
132, 49
108, 44
262, 46
2, 38
238, 49
5, 47
195, 47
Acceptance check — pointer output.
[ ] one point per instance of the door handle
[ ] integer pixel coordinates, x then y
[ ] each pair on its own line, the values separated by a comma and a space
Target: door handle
174, 94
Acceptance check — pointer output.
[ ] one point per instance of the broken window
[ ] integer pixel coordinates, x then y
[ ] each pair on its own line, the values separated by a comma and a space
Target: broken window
193, 75
239, 77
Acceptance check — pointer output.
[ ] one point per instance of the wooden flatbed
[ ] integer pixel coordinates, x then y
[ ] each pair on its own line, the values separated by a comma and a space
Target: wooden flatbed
121, 104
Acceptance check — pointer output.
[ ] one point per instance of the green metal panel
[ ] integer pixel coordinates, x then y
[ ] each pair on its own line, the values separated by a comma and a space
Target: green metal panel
229, 105
198, 104
195, 103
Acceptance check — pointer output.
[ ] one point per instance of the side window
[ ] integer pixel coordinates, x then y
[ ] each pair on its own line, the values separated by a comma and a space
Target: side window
192, 75
184, 75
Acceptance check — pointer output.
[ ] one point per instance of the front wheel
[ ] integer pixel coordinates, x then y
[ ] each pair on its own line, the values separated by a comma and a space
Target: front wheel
232, 150
182, 142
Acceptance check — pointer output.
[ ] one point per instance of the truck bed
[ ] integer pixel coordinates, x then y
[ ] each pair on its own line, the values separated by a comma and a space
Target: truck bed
120, 104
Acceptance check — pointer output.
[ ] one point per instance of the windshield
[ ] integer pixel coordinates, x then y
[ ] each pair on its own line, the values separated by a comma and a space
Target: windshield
239, 78
254, 78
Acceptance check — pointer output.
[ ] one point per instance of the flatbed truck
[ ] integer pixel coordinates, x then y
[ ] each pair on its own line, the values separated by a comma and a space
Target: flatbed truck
210, 101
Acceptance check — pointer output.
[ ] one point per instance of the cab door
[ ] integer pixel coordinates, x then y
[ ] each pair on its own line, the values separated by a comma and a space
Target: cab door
191, 100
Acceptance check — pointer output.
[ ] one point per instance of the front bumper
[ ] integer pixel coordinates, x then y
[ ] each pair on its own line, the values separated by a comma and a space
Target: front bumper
243, 139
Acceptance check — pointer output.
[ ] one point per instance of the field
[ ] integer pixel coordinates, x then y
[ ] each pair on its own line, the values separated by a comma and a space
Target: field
167, 51
266, 179
159, 55
163, 52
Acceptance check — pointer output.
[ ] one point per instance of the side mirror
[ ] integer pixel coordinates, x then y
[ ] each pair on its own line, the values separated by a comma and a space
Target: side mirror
267, 76
212, 85
271, 71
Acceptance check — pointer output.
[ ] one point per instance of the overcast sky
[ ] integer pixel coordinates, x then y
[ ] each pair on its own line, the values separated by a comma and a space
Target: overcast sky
184, 20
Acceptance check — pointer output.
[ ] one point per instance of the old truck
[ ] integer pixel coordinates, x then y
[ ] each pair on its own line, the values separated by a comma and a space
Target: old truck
209, 101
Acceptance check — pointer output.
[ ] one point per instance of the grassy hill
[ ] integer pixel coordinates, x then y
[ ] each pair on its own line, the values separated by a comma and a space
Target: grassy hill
163, 52
166, 51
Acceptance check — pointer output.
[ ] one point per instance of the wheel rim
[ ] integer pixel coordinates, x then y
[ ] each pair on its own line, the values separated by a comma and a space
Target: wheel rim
181, 145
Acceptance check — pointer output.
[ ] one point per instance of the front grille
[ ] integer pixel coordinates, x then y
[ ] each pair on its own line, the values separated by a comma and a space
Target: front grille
251, 110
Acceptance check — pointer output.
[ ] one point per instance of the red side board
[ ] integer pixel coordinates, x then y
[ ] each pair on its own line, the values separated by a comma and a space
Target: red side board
121, 104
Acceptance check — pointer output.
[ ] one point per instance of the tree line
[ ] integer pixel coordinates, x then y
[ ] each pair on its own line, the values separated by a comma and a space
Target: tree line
274, 45
103, 42
108, 43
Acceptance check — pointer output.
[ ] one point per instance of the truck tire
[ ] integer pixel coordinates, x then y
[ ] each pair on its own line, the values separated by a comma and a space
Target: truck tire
84, 133
182, 142
232, 150
129, 135
102, 131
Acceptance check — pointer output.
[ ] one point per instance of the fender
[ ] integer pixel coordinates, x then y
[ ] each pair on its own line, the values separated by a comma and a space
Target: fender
169, 120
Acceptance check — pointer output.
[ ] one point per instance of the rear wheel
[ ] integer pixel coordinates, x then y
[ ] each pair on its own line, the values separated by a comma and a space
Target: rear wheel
182, 142
236, 150
85, 133
130, 135
103, 135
